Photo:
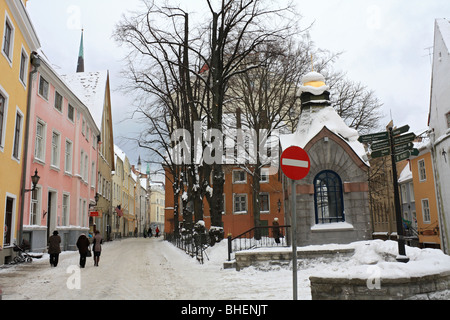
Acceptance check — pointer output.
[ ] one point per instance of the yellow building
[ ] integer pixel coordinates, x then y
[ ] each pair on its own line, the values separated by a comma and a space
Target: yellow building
157, 205
18, 41
425, 198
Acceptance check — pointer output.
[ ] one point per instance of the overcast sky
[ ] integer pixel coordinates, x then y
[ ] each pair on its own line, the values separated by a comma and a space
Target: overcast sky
385, 44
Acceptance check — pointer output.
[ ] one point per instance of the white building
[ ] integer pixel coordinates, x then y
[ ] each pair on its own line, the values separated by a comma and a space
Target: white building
439, 123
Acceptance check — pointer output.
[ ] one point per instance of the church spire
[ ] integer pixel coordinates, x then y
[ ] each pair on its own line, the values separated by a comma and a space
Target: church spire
80, 66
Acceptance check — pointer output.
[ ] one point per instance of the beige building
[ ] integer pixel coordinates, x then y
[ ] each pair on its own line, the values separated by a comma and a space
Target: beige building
157, 205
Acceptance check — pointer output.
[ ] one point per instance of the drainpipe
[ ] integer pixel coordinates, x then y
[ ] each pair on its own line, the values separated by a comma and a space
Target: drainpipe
36, 63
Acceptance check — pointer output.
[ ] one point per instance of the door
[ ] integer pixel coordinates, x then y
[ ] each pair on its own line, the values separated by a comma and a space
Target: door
8, 221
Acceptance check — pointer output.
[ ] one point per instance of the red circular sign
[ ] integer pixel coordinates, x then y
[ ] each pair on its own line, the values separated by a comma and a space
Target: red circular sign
295, 163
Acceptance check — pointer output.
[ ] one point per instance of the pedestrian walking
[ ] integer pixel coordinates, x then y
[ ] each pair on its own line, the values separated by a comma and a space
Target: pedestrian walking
150, 232
276, 230
83, 248
54, 248
157, 232
97, 248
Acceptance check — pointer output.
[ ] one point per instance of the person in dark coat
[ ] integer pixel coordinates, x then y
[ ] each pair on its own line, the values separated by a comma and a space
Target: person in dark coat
83, 248
276, 230
54, 248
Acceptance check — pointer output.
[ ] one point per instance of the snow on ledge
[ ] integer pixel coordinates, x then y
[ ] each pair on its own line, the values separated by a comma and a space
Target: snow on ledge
335, 226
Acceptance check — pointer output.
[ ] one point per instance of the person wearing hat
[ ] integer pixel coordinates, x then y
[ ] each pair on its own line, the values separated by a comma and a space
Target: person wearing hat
276, 230
54, 248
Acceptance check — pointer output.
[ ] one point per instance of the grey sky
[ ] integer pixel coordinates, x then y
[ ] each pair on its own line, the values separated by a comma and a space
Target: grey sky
384, 43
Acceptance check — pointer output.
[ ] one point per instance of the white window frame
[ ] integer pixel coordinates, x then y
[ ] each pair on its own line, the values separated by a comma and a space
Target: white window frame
39, 88
239, 181
20, 137
9, 57
55, 160
40, 157
422, 170
264, 173
426, 211
68, 157
5, 117
24, 54
268, 202
234, 203
65, 217
62, 102
38, 202
73, 115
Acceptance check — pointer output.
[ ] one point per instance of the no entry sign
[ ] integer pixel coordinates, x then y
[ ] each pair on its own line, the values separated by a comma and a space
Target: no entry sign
295, 163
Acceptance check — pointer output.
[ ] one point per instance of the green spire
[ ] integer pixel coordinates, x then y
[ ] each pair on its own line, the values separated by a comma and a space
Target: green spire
80, 66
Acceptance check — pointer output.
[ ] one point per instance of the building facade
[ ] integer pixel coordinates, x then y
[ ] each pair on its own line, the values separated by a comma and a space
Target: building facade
19, 40
93, 88
428, 228
439, 125
64, 150
332, 201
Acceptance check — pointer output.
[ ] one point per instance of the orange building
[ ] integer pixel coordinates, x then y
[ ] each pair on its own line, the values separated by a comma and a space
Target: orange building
425, 198
238, 199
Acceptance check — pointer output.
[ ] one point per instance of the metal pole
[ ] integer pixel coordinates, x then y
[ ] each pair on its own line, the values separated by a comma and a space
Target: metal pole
400, 239
294, 238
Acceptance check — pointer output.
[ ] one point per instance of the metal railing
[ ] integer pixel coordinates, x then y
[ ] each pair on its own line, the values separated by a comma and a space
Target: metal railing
258, 237
192, 244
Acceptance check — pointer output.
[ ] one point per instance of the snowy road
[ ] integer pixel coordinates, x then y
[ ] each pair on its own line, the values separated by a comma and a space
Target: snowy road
142, 269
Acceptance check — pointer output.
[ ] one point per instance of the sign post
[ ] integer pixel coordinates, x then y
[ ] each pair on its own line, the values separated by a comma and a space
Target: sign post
399, 147
295, 164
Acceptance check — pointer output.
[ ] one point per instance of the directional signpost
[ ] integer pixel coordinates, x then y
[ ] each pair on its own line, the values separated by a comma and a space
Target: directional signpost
296, 165
398, 144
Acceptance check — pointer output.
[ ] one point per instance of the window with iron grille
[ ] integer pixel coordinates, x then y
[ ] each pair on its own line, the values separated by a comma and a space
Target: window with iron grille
328, 198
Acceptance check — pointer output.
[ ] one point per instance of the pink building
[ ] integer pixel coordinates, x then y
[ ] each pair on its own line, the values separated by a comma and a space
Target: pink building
63, 148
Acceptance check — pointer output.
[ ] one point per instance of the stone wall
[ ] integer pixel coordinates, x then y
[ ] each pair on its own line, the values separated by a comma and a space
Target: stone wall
424, 287
258, 258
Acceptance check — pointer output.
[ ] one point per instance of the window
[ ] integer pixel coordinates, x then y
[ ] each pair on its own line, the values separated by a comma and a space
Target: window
43, 88
2, 117
93, 175
8, 39
447, 116
264, 176
23, 67
86, 168
68, 157
58, 101
17, 136
39, 146
404, 196
65, 209
240, 203
70, 113
83, 127
35, 206
422, 171
56, 143
328, 198
426, 211
239, 176
264, 201
81, 172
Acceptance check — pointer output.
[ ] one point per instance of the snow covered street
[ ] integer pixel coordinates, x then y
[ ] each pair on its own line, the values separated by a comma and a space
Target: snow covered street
153, 269
142, 269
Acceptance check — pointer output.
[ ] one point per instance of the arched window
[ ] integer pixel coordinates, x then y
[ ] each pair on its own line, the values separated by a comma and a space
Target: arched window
328, 198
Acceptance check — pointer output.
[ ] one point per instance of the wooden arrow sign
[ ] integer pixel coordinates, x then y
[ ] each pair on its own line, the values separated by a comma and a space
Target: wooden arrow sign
381, 153
374, 137
403, 147
409, 137
400, 130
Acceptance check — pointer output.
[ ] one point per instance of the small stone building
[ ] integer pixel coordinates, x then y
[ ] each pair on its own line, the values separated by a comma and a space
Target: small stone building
332, 202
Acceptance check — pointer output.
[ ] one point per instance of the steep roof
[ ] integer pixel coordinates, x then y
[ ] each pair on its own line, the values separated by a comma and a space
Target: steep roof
444, 28
91, 88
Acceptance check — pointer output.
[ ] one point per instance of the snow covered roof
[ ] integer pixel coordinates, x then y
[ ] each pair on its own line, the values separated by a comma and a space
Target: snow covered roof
405, 175
118, 152
312, 122
91, 88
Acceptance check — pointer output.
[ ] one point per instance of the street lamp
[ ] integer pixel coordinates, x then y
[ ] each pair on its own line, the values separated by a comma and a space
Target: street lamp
34, 181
